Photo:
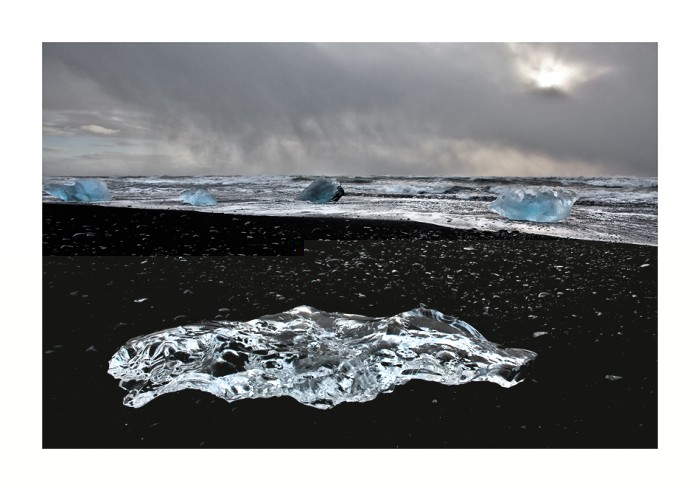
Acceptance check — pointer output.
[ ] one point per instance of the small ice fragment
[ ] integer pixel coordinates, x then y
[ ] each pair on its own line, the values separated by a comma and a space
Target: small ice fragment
322, 190
84, 190
612, 377
645, 265
538, 204
139, 300
198, 197
539, 333
544, 294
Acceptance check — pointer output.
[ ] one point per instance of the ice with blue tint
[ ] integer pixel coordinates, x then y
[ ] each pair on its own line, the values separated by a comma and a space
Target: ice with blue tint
539, 204
198, 197
319, 358
85, 190
322, 190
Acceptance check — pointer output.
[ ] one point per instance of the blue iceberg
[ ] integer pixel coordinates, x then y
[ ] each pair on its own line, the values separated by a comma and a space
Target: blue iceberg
198, 197
322, 190
85, 190
534, 204
319, 358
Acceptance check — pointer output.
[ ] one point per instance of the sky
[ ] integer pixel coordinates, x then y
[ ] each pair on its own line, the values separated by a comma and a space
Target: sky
471, 109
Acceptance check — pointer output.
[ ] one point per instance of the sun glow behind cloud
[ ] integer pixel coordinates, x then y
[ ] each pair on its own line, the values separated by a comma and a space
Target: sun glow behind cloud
545, 70
553, 75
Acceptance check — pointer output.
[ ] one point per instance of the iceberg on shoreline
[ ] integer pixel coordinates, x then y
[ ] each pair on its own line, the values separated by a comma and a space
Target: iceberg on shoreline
539, 204
84, 190
322, 190
320, 359
198, 197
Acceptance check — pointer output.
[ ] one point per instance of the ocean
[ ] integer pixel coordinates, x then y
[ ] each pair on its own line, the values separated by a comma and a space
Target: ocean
609, 209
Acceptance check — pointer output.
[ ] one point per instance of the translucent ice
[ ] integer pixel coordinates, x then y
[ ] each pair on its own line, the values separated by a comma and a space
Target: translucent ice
534, 204
83, 190
198, 197
320, 359
322, 190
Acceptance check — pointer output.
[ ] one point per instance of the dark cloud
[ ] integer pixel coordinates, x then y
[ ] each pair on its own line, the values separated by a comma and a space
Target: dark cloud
356, 108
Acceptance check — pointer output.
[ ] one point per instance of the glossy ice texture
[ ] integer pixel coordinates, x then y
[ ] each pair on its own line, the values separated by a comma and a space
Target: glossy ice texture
85, 190
322, 190
320, 359
534, 204
198, 197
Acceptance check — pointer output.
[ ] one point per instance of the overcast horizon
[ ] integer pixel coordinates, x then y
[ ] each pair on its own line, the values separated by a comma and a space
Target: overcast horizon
465, 109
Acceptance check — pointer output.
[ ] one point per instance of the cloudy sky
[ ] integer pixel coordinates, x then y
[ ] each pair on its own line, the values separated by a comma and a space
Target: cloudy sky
347, 109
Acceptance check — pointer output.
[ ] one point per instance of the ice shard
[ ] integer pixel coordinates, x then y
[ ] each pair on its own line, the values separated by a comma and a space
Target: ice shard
322, 190
320, 359
198, 197
539, 204
85, 190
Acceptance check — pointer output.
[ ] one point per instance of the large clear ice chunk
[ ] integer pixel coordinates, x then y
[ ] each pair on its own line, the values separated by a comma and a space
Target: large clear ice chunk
322, 190
85, 190
539, 204
320, 359
198, 197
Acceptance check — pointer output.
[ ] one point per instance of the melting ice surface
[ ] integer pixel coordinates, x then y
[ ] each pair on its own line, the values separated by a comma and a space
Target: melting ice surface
198, 197
322, 190
83, 190
320, 359
539, 204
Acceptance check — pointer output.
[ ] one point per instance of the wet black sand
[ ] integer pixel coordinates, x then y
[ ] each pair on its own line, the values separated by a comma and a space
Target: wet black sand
596, 302
82, 230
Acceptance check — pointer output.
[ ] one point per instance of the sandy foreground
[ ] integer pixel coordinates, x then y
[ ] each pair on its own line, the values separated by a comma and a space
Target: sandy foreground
589, 309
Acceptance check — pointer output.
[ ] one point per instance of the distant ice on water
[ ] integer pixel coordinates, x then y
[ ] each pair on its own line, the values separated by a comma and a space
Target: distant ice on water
322, 190
85, 190
540, 204
198, 197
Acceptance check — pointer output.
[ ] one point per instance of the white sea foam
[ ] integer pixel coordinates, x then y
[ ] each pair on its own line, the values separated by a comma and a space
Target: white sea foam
609, 209
412, 190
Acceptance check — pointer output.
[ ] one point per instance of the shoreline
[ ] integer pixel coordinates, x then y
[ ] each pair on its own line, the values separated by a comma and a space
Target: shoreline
86, 229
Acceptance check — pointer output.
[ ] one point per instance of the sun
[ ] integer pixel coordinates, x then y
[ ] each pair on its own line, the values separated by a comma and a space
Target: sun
543, 70
552, 76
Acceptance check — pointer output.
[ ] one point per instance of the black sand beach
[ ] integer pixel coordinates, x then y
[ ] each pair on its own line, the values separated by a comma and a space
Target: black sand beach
92, 230
594, 302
